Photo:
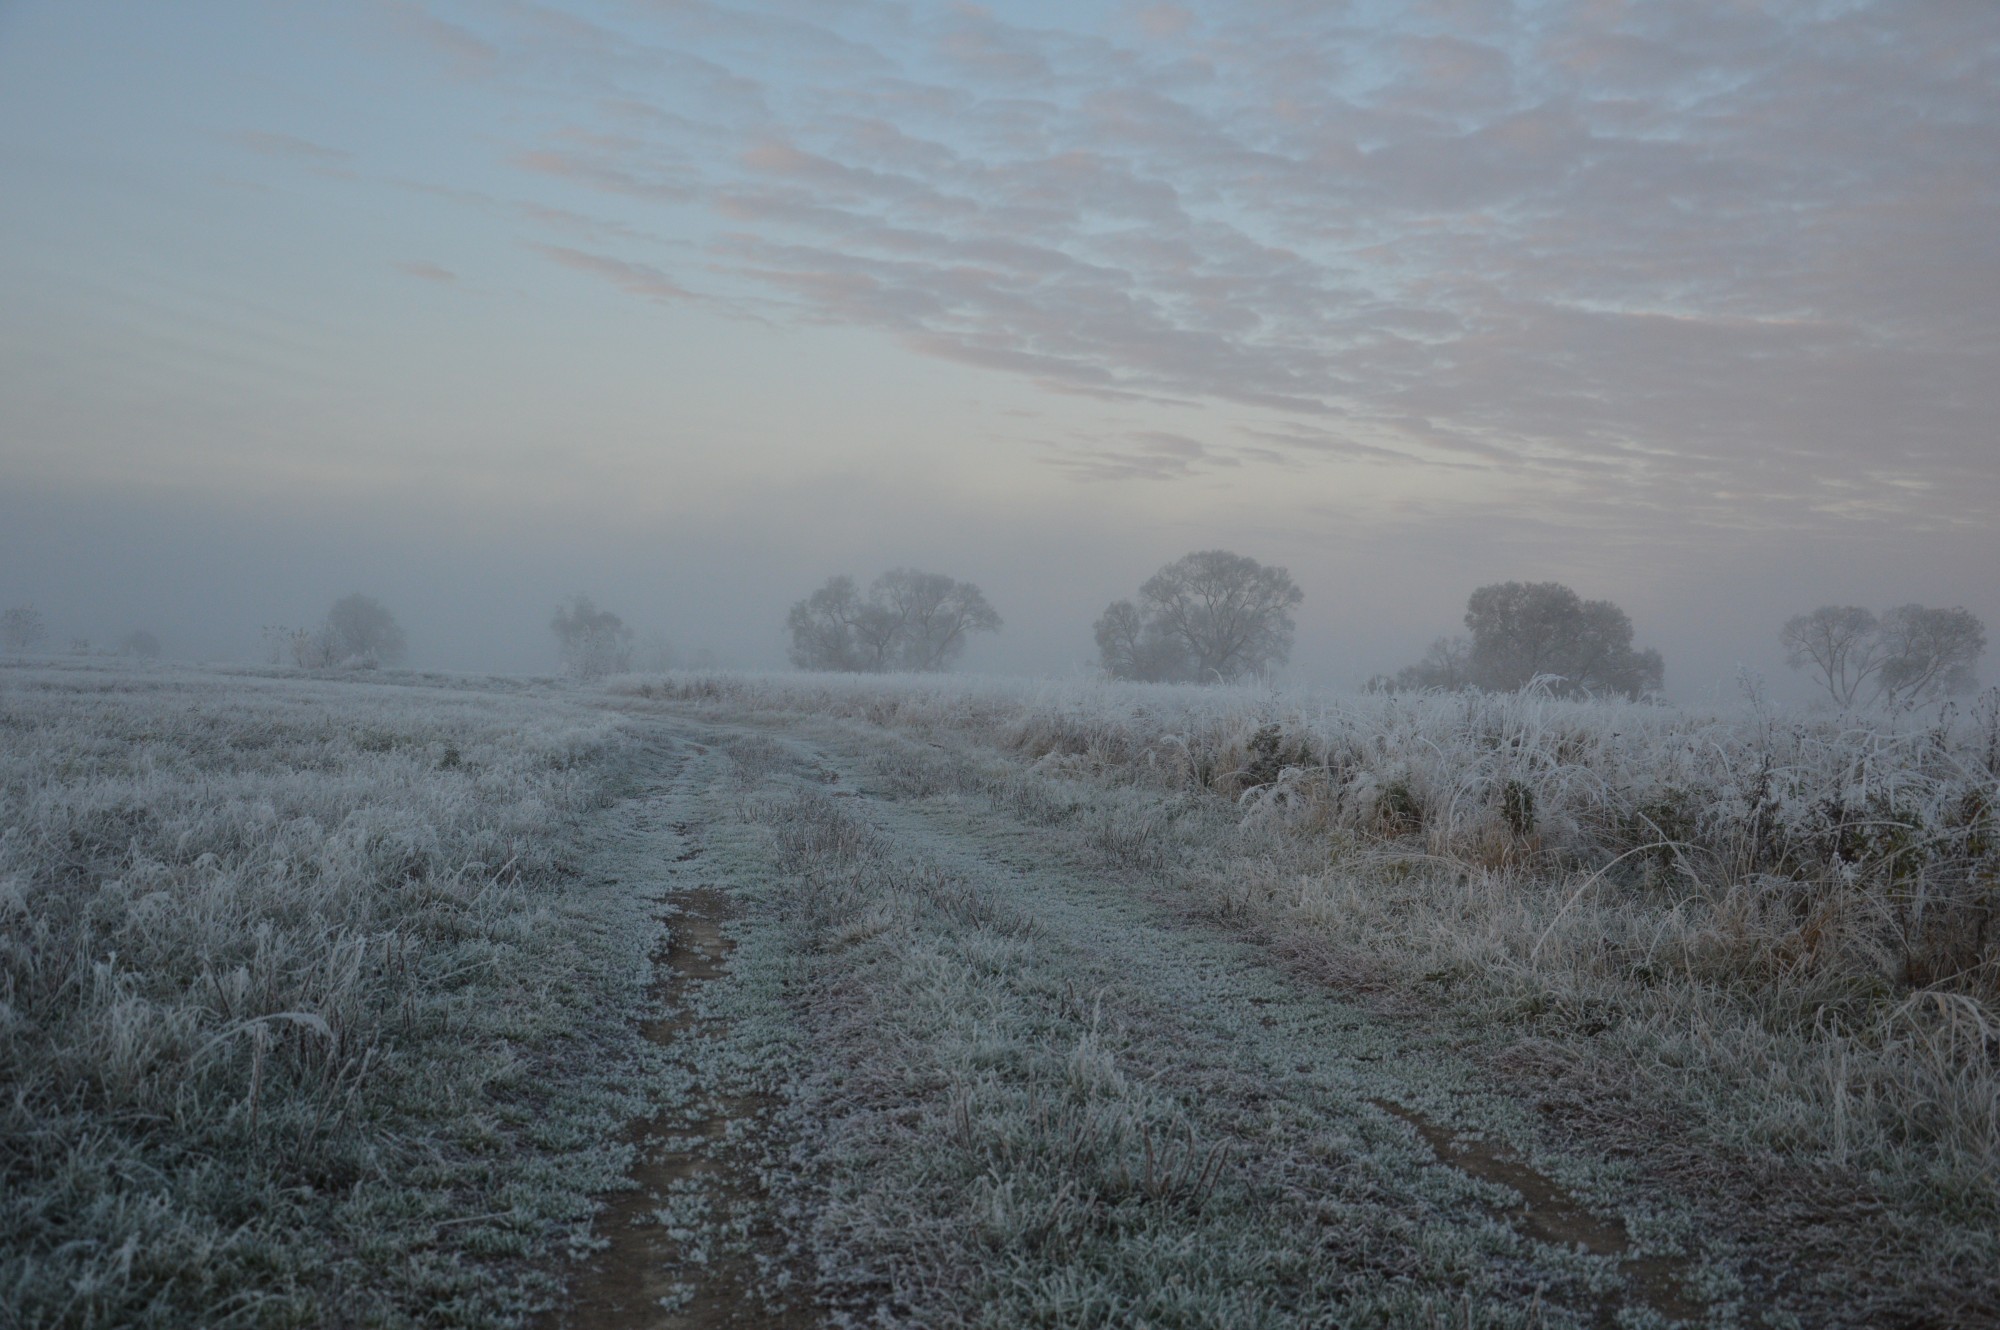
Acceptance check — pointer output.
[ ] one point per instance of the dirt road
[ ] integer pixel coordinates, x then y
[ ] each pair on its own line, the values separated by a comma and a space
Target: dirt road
951, 1059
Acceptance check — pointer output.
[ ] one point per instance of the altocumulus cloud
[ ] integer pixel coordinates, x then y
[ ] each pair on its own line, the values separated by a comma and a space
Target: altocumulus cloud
1685, 256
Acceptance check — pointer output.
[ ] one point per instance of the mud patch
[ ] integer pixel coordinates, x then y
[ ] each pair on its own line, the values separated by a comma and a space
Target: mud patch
692, 1246
1549, 1214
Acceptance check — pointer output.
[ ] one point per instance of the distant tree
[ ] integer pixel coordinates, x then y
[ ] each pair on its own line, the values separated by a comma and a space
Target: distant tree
1838, 643
1208, 615
909, 620
1910, 654
141, 644
1927, 653
933, 614
22, 628
824, 627
1130, 646
359, 631
1446, 664
1523, 631
591, 641
313, 648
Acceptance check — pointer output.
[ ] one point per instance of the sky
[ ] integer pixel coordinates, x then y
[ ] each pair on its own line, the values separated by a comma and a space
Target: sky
1693, 305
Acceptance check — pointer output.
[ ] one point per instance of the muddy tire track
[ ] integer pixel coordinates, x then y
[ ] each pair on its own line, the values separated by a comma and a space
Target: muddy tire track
1027, 1073
1547, 1213
689, 1243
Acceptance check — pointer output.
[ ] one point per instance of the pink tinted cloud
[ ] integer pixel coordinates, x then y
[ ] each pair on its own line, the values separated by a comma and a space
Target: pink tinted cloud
637, 279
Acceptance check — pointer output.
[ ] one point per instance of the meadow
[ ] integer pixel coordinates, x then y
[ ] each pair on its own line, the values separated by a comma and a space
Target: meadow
1780, 922
321, 996
284, 965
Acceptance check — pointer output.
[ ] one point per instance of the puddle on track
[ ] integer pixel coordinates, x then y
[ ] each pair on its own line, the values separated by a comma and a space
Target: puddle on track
1551, 1215
642, 1280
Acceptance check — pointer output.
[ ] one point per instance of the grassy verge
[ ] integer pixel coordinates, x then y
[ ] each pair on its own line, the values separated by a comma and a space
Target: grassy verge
306, 1015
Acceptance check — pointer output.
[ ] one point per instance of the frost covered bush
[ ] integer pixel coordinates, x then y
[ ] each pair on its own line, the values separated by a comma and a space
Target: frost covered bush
1900, 808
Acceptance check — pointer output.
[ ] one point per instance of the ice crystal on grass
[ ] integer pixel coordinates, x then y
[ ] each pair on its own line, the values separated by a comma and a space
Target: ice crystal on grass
285, 966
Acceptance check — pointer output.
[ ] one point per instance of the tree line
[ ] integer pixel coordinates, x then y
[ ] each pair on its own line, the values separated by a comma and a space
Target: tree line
1218, 616
1210, 616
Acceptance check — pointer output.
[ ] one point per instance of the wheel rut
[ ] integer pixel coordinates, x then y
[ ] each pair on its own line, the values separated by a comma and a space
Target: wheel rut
1100, 1044
694, 1175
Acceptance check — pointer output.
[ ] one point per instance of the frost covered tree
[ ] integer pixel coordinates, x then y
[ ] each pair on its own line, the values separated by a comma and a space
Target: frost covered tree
1838, 643
1132, 647
1206, 616
1928, 653
591, 641
909, 620
932, 615
825, 627
22, 628
1910, 654
360, 631
1524, 631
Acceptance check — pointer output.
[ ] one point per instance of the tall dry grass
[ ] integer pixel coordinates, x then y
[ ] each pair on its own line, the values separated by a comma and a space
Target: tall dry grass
1782, 921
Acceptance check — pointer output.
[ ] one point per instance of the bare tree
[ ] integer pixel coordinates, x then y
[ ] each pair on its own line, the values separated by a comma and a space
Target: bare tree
1446, 664
909, 620
932, 614
276, 638
824, 626
1839, 644
22, 628
1524, 631
1927, 653
592, 642
360, 631
876, 632
1208, 615
1909, 654
314, 648
1132, 647
141, 644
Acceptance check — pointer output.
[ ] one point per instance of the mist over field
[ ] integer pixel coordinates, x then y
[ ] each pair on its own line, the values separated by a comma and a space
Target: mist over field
469, 307
476, 595
1189, 664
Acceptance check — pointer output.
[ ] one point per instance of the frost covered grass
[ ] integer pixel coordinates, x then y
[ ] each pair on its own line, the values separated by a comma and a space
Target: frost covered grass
1035, 1108
1778, 927
304, 1014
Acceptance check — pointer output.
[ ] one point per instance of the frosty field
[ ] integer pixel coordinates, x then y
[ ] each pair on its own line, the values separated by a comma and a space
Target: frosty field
712, 999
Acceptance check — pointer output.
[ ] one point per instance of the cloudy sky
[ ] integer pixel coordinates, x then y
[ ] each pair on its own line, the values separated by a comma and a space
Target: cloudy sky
690, 303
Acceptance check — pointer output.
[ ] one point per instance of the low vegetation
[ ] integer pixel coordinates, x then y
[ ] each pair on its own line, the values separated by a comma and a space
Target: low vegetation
319, 996
285, 965
1784, 924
